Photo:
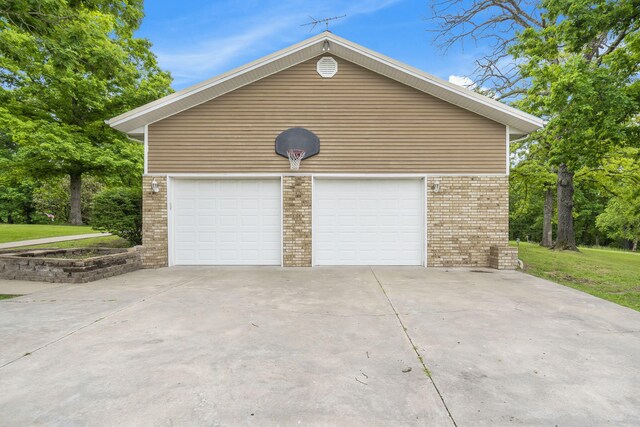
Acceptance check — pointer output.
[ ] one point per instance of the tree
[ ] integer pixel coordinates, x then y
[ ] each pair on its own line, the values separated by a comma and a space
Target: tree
533, 170
574, 62
620, 177
65, 67
582, 71
621, 218
52, 197
496, 24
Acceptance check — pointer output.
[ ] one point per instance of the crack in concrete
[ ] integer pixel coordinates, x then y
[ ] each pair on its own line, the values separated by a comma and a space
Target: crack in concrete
133, 304
415, 348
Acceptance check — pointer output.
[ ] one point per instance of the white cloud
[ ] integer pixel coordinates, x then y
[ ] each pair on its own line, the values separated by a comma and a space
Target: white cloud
205, 59
462, 81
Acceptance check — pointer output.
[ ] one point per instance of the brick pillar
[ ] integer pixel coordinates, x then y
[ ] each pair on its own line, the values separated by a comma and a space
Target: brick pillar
154, 223
296, 203
503, 257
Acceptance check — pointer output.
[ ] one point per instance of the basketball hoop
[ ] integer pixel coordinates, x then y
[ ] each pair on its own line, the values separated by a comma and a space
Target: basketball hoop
295, 156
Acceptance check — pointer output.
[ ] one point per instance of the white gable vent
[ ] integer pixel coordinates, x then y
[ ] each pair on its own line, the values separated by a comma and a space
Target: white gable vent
327, 67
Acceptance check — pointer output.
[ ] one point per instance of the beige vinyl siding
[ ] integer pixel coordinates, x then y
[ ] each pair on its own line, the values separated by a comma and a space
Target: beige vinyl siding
366, 123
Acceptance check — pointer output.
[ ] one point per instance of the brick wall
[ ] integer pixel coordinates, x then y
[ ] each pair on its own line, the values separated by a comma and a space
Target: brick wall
154, 223
465, 219
296, 199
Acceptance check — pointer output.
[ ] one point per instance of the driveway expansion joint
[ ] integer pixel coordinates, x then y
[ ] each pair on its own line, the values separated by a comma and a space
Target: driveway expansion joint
413, 346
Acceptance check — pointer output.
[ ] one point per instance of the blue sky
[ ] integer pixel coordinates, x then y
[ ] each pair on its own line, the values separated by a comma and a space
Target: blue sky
196, 39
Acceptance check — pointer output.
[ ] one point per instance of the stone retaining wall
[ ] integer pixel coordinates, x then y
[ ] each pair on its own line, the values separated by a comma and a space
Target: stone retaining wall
36, 266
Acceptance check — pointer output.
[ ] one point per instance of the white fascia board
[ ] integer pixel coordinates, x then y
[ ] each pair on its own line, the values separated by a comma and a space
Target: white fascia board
146, 150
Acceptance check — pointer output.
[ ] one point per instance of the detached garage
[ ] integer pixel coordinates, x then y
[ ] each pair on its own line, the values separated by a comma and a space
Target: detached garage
326, 153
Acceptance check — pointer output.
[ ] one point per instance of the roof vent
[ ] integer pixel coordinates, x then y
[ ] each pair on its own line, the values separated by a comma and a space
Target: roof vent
327, 67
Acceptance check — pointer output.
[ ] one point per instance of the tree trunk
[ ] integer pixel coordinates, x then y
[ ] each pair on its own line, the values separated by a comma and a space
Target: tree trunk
547, 231
75, 213
566, 238
635, 245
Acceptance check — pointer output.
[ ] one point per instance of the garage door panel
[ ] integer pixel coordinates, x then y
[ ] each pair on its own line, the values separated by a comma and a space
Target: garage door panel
226, 222
368, 222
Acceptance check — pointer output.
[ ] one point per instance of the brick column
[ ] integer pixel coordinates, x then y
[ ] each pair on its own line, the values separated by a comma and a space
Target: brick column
155, 237
296, 203
468, 216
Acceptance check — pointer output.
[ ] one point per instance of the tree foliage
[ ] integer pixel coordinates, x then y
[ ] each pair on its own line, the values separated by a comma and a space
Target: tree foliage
620, 177
582, 77
65, 67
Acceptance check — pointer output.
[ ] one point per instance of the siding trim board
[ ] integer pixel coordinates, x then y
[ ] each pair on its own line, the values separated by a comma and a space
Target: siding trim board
146, 149
508, 154
170, 224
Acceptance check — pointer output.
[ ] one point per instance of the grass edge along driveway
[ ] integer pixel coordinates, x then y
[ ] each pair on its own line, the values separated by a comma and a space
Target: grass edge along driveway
609, 274
18, 232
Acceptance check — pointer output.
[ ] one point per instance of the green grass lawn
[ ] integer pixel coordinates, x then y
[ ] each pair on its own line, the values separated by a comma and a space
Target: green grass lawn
609, 274
92, 242
7, 296
17, 232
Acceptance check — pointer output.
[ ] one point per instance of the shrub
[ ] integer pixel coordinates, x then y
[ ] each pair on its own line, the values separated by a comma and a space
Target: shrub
119, 211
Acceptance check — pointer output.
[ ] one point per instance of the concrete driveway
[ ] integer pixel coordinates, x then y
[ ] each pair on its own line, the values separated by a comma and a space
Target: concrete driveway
321, 346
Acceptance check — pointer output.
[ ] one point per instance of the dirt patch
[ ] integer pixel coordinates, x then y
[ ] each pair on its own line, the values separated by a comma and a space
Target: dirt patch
569, 278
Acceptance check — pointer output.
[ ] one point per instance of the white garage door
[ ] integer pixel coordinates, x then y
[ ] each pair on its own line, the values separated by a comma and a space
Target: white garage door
368, 221
226, 221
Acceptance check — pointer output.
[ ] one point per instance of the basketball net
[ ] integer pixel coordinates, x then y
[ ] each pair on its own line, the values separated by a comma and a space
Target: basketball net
295, 156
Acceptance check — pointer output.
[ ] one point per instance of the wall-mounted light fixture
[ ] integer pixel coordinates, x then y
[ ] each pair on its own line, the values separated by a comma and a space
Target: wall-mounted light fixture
155, 187
436, 187
326, 47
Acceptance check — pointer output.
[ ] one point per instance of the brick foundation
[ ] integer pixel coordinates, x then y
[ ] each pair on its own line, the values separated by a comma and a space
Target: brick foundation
296, 202
154, 223
465, 218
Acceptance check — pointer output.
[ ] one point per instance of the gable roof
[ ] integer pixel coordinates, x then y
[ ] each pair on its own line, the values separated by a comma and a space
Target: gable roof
133, 122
